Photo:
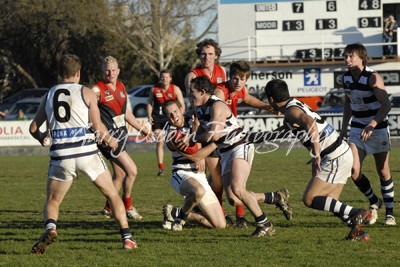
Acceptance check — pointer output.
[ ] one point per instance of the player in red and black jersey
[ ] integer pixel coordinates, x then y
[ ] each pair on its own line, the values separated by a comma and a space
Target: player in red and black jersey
113, 101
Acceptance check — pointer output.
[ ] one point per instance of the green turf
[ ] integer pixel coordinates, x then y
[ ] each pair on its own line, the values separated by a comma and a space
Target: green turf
86, 238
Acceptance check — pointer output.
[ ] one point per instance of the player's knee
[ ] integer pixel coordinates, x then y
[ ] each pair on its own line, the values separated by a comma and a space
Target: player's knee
238, 191
307, 200
199, 194
221, 224
383, 172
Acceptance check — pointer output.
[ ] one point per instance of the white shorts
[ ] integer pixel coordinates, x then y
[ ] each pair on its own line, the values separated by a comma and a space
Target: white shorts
180, 176
244, 151
67, 169
336, 170
377, 143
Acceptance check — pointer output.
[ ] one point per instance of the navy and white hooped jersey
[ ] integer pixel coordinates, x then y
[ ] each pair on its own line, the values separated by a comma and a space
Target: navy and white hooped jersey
231, 135
330, 142
179, 162
363, 103
68, 116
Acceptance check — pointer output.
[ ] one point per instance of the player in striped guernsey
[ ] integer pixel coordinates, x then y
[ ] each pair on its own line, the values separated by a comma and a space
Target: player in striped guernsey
188, 176
235, 153
367, 105
70, 109
208, 52
331, 158
233, 92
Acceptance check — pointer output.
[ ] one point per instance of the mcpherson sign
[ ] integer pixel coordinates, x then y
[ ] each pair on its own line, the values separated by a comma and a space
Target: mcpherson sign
315, 80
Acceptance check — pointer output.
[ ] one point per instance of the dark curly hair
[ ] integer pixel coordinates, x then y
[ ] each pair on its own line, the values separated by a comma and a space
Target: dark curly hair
208, 42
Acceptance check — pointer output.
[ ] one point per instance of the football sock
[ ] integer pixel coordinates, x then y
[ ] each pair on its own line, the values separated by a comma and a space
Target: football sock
387, 188
262, 219
270, 197
128, 202
161, 166
50, 223
175, 212
182, 215
240, 211
125, 234
364, 186
333, 205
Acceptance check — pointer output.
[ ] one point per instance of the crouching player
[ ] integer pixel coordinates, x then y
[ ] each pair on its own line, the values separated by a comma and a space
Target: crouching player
331, 163
188, 176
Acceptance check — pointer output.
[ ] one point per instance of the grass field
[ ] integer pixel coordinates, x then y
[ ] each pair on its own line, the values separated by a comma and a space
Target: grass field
86, 238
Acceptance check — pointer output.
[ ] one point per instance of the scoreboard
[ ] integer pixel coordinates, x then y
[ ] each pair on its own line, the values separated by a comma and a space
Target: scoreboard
283, 29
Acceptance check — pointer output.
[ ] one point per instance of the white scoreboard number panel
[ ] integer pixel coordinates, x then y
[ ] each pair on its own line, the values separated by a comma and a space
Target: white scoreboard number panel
317, 16
288, 28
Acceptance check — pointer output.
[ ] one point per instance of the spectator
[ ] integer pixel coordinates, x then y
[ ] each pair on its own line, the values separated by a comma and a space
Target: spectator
20, 116
390, 28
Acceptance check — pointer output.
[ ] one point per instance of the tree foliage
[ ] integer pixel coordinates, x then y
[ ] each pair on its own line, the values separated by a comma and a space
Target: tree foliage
157, 30
144, 35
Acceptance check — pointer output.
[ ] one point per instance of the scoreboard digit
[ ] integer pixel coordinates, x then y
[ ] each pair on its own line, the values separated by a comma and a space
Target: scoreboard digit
298, 7
369, 22
326, 24
369, 4
330, 6
293, 25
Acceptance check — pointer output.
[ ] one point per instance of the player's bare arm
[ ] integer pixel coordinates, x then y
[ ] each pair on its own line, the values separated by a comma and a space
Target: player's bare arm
219, 93
299, 119
256, 103
381, 95
39, 119
179, 96
190, 76
219, 112
96, 90
346, 116
131, 119
150, 106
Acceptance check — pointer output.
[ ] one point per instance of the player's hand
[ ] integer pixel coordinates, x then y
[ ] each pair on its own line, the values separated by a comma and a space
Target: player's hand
112, 143
201, 166
44, 138
367, 132
316, 165
182, 143
271, 110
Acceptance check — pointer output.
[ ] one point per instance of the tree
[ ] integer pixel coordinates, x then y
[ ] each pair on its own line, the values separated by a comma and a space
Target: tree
145, 36
35, 34
156, 30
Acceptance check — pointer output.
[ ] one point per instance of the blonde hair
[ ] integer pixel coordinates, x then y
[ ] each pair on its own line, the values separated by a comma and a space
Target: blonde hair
107, 60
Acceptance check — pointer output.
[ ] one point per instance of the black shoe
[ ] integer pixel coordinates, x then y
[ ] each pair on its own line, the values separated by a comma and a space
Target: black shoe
241, 223
264, 230
356, 233
229, 221
283, 203
45, 240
